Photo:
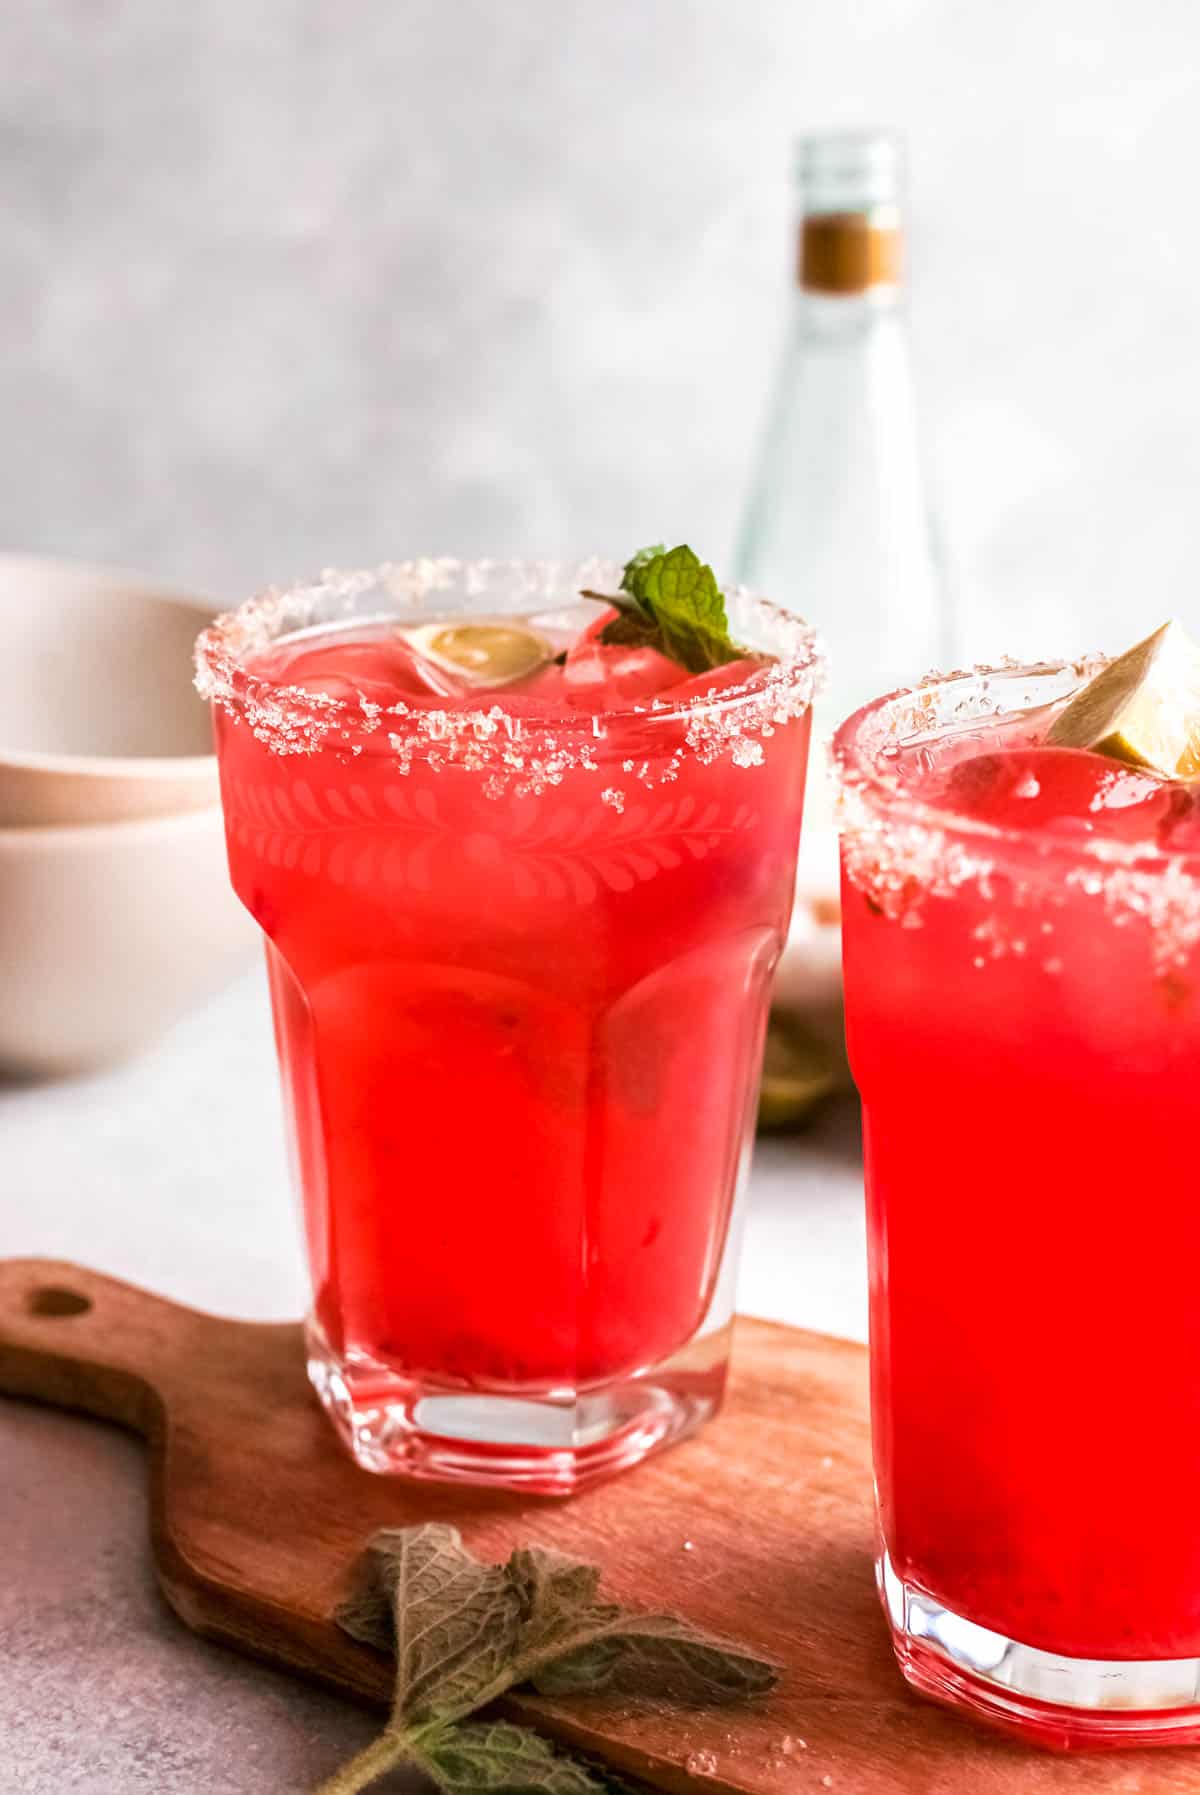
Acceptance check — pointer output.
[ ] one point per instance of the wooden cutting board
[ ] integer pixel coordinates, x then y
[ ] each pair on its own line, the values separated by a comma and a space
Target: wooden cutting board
759, 1527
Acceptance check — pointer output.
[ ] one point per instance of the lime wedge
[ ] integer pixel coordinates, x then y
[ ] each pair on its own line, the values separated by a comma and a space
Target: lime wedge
798, 1072
1144, 708
485, 654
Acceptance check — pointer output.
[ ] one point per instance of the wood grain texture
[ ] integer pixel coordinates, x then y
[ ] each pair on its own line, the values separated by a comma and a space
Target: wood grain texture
759, 1528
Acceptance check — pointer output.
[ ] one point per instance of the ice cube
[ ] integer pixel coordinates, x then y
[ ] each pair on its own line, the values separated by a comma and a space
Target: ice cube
600, 676
381, 669
1067, 790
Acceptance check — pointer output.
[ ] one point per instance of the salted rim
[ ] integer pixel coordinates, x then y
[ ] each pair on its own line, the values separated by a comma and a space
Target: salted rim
222, 648
864, 785
289, 719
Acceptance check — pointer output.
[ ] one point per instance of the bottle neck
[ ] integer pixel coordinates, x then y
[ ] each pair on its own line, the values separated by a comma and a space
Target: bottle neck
850, 255
837, 319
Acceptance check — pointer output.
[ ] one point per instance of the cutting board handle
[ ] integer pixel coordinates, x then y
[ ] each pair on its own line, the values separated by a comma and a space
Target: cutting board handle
83, 1341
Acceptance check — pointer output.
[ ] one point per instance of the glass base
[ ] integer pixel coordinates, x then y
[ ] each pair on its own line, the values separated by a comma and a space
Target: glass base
1044, 1697
549, 1444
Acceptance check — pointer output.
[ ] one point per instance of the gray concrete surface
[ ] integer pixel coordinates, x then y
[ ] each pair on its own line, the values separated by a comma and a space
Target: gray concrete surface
102, 1691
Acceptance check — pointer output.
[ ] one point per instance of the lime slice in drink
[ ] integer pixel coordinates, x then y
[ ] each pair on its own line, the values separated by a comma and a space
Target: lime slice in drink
1144, 708
798, 1071
482, 653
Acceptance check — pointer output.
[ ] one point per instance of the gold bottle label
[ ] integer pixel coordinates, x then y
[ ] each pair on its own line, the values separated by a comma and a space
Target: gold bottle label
848, 252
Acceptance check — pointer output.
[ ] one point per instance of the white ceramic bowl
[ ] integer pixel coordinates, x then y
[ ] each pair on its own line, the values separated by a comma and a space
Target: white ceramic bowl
98, 718
108, 933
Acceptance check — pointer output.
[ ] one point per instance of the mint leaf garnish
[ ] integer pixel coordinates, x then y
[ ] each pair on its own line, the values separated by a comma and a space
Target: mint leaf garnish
659, 1655
482, 1759
636, 562
452, 1622
464, 1632
670, 600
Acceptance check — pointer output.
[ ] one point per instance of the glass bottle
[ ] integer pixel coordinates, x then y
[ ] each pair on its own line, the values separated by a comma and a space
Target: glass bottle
837, 520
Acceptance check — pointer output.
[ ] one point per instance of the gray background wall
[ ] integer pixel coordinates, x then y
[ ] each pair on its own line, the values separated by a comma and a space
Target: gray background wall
285, 284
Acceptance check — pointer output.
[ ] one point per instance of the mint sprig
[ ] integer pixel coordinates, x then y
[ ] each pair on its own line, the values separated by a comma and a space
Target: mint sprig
463, 1633
669, 599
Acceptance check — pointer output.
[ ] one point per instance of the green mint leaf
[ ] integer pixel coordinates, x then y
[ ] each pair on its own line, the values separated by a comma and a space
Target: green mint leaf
676, 581
570, 1641
660, 1657
681, 594
452, 1622
562, 1616
580, 1672
500, 1759
670, 600
696, 646
635, 564
559, 1604
463, 1632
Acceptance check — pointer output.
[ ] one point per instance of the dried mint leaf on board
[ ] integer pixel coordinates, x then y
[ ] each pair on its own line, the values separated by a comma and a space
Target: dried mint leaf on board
463, 1632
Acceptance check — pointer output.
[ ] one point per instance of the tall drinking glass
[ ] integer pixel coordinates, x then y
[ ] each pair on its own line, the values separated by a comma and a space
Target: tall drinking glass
1022, 964
521, 916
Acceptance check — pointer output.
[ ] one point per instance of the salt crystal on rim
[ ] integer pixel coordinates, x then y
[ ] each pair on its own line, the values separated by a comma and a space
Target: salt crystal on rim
901, 850
518, 752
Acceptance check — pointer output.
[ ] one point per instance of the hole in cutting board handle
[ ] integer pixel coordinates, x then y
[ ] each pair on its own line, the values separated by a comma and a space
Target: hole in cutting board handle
55, 1300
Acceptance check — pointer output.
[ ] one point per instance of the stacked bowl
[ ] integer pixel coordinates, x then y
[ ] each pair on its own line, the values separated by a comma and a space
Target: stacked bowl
115, 909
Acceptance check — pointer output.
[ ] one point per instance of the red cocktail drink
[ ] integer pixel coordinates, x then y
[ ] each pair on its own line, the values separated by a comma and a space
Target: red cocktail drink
520, 934
1022, 956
